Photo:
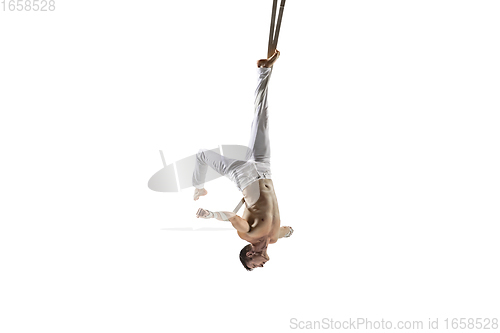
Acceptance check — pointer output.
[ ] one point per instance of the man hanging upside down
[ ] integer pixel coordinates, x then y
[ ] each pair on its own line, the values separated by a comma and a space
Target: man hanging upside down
260, 222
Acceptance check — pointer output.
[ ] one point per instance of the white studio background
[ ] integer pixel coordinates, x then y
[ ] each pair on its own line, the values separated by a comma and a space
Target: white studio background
384, 130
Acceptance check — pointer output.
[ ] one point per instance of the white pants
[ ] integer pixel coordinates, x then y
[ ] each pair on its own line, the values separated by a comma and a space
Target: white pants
257, 162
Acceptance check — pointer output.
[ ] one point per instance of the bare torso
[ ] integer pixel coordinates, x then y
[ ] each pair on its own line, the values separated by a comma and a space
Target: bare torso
265, 212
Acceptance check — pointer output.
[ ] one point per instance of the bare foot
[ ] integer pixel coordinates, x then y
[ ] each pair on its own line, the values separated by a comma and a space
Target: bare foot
268, 63
199, 193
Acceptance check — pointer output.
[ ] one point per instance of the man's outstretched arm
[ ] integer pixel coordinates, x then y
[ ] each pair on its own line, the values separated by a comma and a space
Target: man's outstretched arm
238, 222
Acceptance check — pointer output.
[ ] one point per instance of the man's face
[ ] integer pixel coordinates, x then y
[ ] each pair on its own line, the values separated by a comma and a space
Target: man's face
257, 259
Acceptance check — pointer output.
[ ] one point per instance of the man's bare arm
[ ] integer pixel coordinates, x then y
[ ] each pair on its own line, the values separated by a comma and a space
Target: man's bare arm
238, 222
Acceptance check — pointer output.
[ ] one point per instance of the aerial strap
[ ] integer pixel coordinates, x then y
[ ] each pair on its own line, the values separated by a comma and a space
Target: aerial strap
275, 33
239, 206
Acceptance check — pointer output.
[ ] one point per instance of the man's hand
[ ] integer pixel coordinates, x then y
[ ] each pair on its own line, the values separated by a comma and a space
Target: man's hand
205, 214
285, 232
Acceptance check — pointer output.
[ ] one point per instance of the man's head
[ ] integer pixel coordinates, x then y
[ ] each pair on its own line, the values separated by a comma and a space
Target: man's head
251, 259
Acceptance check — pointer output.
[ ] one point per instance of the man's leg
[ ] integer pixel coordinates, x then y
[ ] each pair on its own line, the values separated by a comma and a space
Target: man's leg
206, 158
223, 165
260, 149
259, 144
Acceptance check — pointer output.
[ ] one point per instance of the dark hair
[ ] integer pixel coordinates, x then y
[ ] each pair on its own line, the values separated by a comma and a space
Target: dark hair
243, 256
